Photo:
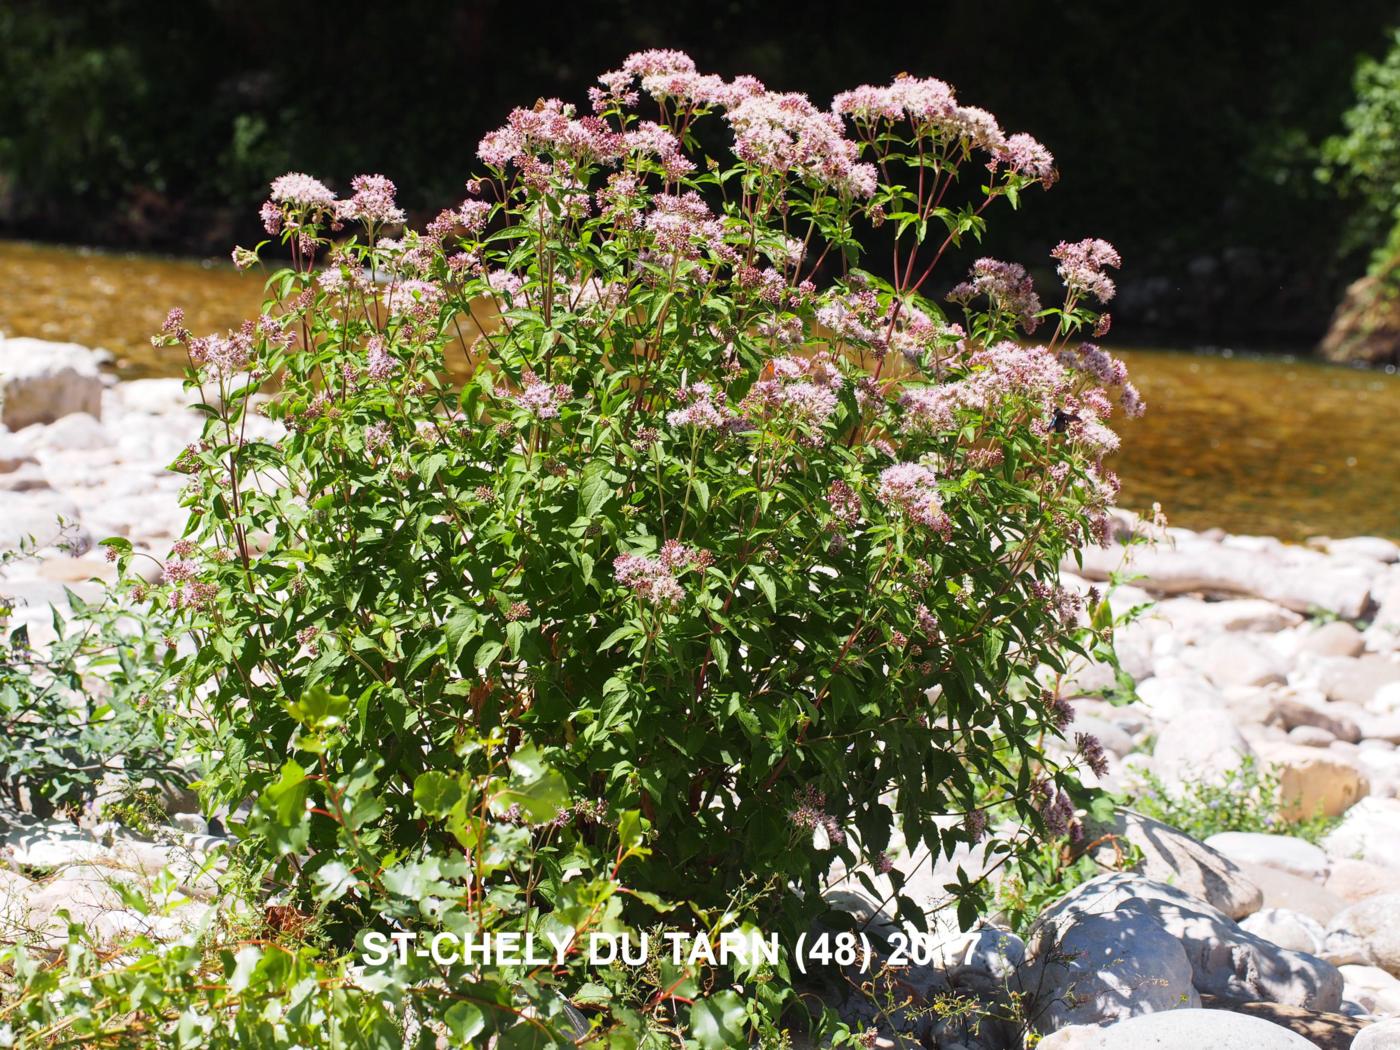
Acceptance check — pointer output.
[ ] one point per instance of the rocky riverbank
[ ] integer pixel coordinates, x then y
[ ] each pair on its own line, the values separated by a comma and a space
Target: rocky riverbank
1252, 650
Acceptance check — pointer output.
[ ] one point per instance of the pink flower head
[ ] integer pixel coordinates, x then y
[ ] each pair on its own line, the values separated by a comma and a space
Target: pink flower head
1023, 155
1082, 264
301, 191
539, 398
372, 203
911, 489
1007, 286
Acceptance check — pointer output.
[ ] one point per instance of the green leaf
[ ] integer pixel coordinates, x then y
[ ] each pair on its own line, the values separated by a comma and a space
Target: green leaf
718, 1021
594, 489
436, 793
465, 1021
766, 585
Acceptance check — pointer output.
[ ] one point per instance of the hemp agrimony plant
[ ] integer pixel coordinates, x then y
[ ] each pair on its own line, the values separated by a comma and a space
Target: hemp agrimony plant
632, 477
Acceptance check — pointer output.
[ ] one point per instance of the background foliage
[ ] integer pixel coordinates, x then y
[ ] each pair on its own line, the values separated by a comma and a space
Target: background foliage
1189, 128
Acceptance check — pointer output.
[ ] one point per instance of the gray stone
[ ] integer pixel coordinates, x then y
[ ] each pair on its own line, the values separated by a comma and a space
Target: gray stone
1174, 857
1226, 961
1104, 968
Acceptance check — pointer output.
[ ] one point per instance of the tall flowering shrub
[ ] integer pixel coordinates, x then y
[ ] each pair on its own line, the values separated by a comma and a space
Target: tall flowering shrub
623, 521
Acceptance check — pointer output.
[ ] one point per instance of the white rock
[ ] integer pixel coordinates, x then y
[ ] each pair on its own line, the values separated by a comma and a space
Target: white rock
1235, 661
156, 397
1310, 736
1299, 579
1204, 746
1385, 700
1384, 1035
1337, 638
45, 517
1167, 699
1373, 988
1287, 929
1376, 922
1370, 831
14, 454
1353, 681
42, 381
1186, 1029
1272, 851
49, 844
1290, 708
1376, 548
75, 432
1192, 620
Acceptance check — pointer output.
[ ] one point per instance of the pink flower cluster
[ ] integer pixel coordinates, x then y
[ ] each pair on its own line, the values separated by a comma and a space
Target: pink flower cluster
683, 226
539, 398
810, 814
911, 489
372, 202
1082, 264
550, 127
798, 388
669, 76
1025, 156
698, 409
927, 103
1007, 285
653, 579
784, 132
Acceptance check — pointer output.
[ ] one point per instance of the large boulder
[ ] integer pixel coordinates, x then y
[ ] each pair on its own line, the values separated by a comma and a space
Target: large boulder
1375, 922
1174, 857
42, 381
1104, 968
1226, 961
1187, 1029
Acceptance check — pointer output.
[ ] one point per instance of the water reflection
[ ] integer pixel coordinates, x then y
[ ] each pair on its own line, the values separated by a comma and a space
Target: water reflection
1255, 445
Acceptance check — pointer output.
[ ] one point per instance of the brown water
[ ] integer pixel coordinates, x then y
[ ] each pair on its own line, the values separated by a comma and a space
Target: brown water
1264, 445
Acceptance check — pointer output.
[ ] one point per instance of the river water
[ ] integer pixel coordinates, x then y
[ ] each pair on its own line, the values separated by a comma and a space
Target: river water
1253, 444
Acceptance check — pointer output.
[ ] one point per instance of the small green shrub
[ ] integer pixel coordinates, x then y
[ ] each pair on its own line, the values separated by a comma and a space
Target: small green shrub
1245, 798
84, 707
627, 555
